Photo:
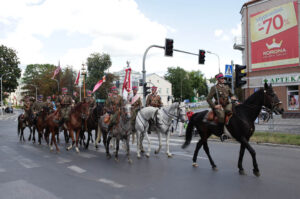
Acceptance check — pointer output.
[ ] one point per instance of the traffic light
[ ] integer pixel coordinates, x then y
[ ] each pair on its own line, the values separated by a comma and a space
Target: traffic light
201, 56
146, 90
169, 47
228, 81
239, 75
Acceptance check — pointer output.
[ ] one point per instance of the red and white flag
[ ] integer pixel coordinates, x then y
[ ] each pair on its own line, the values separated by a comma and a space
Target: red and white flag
77, 79
99, 83
126, 83
57, 70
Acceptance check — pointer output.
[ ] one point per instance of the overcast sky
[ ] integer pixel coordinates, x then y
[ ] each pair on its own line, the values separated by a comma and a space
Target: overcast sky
48, 31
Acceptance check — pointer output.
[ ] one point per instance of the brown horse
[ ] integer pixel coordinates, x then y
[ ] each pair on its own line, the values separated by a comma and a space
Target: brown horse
76, 122
23, 123
40, 123
52, 127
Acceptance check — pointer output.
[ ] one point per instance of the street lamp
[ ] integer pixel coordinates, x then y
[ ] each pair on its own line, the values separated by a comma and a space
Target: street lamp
57, 85
218, 58
2, 90
35, 90
83, 73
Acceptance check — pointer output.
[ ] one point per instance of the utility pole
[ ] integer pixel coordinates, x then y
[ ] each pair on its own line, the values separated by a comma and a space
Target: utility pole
232, 78
2, 91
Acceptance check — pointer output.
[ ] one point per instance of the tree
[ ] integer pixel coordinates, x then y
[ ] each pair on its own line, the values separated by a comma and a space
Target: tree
67, 79
198, 82
181, 86
9, 64
39, 75
96, 65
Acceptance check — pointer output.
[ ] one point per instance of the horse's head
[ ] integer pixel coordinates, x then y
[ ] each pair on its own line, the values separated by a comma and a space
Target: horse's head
127, 110
271, 100
181, 111
83, 108
99, 110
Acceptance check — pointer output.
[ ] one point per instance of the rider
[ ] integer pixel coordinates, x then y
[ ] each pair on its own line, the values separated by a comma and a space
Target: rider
64, 101
49, 104
136, 104
76, 97
223, 105
37, 106
154, 99
90, 99
26, 107
113, 106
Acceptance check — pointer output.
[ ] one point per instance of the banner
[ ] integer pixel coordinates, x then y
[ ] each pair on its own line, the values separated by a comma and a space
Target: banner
77, 79
56, 71
274, 37
99, 83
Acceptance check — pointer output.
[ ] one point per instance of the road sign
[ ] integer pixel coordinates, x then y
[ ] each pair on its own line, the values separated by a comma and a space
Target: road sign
228, 70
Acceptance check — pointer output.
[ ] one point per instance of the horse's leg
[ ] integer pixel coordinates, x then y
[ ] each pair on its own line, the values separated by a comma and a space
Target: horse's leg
54, 140
104, 135
198, 146
77, 139
91, 136
57, 137
33, 132
66, 136
117, 149
29, 138
253, 154
159, 141
128, 149
206, 149
138, 144
168, 144
107, 147
23, 135
240, 163
149, 144
88, 139
72, 137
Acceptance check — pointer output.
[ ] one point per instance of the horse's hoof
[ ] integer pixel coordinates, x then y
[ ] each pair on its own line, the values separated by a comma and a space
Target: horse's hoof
58, 152
147, 155
108, 156
117, 160
170, 155
96, 146
156, 152
214, 168
129, 161
77, 149
51, 148
69, 148
256, 173
138, 156
195, 164
242, 172
142, 151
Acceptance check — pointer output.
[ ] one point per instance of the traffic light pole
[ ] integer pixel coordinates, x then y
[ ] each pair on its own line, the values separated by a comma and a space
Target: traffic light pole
232, 78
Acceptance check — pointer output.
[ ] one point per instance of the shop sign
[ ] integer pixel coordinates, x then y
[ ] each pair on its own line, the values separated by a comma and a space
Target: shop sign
282, 79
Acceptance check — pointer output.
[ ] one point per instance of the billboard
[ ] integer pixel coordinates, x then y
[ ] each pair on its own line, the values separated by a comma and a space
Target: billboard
274, 37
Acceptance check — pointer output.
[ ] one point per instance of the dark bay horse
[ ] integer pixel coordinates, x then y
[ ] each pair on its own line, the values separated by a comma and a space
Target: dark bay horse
121, 131
92, 122
23, 123
241, 125
40, 123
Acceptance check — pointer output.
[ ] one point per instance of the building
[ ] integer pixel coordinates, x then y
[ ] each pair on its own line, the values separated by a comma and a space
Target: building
16, 97
270, 49
164, 87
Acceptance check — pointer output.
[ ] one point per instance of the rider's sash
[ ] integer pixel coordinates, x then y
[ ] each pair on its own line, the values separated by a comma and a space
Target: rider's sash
135, 98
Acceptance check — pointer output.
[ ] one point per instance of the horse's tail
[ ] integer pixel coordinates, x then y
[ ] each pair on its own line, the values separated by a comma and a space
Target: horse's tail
196, 118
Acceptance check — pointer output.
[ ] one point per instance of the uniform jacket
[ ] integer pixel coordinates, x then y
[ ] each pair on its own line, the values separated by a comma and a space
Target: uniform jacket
154, 100
224, 92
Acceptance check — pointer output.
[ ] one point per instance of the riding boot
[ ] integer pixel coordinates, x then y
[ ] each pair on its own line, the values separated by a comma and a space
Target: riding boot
60, 124
220, 130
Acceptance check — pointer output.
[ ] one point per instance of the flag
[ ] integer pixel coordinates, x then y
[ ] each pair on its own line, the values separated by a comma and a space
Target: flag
56, 71
99, 83
126, 83
77, 79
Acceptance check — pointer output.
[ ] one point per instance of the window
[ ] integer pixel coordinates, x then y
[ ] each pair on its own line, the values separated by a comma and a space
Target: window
293, 98
167, 90
159, 90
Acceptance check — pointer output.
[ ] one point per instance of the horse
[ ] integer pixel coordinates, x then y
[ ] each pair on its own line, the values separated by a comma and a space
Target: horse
163, 120
40, 123
121, 131
92, 122
22, 124
240, 126
78, 115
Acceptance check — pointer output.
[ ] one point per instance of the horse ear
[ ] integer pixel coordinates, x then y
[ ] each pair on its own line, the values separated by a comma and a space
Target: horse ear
266, 86
270, 86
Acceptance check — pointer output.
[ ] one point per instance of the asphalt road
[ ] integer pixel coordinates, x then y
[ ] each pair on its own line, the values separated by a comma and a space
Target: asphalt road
31, 171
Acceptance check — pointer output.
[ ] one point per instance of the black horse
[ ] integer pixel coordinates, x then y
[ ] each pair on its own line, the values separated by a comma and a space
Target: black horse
241, 125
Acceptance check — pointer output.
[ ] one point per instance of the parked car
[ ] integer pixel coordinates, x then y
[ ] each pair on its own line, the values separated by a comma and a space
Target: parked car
9, 109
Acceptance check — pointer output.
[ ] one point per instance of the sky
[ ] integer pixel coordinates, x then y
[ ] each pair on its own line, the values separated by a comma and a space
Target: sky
69, 31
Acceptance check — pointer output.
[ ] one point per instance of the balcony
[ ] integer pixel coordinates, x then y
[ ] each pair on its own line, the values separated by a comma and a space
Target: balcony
238, 44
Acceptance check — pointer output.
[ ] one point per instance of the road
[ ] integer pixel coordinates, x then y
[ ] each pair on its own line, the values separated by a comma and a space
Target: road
31, 171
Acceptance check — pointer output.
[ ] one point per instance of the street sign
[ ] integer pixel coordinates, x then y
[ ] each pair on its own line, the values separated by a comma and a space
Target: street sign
228, 71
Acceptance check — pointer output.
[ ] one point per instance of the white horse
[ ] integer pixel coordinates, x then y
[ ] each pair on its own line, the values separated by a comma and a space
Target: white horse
162, 121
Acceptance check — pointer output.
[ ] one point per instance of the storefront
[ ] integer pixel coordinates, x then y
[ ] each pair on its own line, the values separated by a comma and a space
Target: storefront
270, 49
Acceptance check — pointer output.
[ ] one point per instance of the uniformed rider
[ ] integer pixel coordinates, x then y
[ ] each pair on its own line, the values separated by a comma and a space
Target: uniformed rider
90, 99
154, 99
113, 106
49, 104
64, 102
27, 108
37, 106
222, 95
136, 105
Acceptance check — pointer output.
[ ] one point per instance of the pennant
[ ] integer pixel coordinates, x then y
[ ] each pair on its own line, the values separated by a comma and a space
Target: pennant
56, 71
126, 83
77, 79
99, 83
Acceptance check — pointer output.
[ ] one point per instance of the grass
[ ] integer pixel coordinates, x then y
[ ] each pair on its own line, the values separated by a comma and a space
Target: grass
274, 138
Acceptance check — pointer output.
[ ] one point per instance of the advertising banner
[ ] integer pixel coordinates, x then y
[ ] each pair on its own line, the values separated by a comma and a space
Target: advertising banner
274, 37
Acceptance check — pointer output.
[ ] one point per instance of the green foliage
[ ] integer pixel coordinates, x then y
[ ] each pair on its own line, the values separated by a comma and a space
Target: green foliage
9, 64
96, 64
67, 79
212, 80
198, 82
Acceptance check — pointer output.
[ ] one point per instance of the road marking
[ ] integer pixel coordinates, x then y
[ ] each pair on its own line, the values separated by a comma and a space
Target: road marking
61, 160
86, 155
8, 150
188, 155
2, 170
31, 148
27, 163
111, 183
76, 169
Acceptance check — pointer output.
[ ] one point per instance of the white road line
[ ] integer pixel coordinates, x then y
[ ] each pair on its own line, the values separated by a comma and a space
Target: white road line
31, 148
111, 183
86, 155
76, 169
61, 160
2, 170
27, 163
188, 155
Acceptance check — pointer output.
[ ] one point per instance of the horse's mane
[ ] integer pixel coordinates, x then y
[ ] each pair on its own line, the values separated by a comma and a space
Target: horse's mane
78, 105
254, 97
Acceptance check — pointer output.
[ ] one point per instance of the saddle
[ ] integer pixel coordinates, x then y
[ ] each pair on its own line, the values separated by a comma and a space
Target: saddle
212, 117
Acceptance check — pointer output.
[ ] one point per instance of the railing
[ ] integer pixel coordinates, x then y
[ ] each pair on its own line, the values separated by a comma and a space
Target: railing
239, 43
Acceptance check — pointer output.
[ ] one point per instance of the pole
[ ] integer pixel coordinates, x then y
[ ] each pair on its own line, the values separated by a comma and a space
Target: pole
83, 86
217, 57
181, 89
80, 93
232, 78
2, 92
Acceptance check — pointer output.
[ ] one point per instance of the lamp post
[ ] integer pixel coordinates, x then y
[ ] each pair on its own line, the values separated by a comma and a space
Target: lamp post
83, 72
57, 85
217, 56
35, 90
2, 91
